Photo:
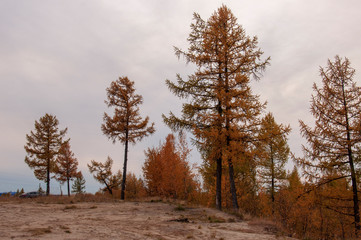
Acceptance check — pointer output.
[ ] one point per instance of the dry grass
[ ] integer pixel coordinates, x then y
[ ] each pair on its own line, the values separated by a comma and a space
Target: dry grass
267, 225
69, 207
39, 231
53, 199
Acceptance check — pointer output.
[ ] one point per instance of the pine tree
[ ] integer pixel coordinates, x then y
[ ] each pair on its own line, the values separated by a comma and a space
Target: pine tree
126, 125
222, 112
42, 147
66, 165
78, 186
274, 152
102, 172
335, 140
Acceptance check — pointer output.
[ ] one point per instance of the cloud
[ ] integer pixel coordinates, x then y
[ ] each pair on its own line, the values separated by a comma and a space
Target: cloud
59, 57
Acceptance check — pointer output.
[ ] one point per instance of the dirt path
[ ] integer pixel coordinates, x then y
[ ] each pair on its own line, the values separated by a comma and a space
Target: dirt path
123, 220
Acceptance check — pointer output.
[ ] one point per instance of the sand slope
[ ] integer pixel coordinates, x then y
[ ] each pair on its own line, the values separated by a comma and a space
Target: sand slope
122, 220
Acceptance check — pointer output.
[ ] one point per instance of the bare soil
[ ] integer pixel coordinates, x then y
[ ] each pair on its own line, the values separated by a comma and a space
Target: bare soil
123, 220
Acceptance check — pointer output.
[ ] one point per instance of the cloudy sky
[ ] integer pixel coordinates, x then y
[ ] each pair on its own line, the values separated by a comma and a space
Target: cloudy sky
58, 57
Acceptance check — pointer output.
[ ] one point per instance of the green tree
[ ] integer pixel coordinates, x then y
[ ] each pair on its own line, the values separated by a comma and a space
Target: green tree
42, 146
126, 125
333, 151
222, 112
274, 152
79, 184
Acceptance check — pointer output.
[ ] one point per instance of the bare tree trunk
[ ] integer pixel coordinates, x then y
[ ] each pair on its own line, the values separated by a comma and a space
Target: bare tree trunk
273, 183
122, 194
356, 209
48, 179
232, 185
219, 184
68, 180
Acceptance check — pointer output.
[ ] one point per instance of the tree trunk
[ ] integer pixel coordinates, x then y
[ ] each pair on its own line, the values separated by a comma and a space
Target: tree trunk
48, 179
233, 185
68, 180
273, 182
228, 143
122, 194
356, 209
219, 184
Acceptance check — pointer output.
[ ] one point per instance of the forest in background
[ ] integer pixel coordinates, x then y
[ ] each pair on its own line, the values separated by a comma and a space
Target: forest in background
243, 149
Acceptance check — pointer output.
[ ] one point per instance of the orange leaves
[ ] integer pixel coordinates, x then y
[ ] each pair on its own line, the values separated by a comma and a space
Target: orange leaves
102, 172
66, 165
333, 144
167, 172
42, 146
126, 123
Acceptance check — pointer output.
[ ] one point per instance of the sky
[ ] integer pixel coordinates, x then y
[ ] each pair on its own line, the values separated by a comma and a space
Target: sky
58, 57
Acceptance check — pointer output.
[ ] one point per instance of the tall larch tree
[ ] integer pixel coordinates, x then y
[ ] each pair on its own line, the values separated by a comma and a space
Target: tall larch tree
126, 125
42, 147
333, 151
222, 110
273, 153
66, 165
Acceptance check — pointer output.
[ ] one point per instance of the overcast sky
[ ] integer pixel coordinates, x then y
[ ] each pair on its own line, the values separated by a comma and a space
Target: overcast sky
58, 57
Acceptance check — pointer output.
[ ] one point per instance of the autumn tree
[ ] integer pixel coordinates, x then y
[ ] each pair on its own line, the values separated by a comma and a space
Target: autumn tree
78, 184
66, 165
135, 187
102, 172
126, 125
334, 142
222, 111
42, 147
167, 172
274, 152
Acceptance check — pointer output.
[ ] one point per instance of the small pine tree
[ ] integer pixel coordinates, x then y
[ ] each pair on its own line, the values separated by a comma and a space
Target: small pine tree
40, 190
78, 186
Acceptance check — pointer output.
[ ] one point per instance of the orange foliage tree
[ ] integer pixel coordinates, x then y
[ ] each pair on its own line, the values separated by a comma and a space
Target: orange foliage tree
42, 147
167, 172
126, 125
222, 112
66, 165
274, 152
335, 141
102, 172
135, 187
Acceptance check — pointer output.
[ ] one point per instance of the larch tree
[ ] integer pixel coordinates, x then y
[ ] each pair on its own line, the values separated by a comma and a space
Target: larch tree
42, 147
78, 186
102, 172
274, 153
126, 125
66, 165
167, 172
333, 151
222, 111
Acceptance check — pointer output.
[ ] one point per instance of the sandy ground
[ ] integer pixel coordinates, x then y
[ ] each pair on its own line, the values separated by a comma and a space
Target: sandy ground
123, 220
